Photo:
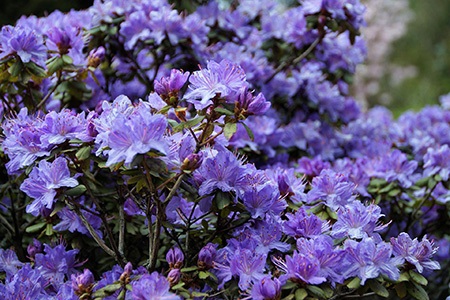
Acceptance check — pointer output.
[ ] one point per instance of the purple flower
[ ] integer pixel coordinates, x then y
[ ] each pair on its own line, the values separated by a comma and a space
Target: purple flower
312, 166
174, 276
65, 125
414, 252
56, 263
333, 188
224, 172
27, 282
24, 43
288, 183
357, 221
152, 286
137, 134
82, 283
9, 263
266, 289
44, 180
437, 161
396, 166
96, 56
301, 268
71, 221
248, 266
367, 259
169, 87
262, 199
223, 79
249, 105
302, 224
329, 258
175, 258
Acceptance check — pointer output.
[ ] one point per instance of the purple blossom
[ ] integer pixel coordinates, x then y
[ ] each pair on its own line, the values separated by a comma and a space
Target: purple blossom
9, 263
249, 105
289, 184
71, 221
262, 199
96, 56
43, 182
223, 79
300, 268
136, 134
152, 286
27, 283
223, 171
34, 248
266, 289
333, 188
357, 221
207, 256
367, 259
82, 283
414, 252
24, 43
56, 264
437, 161
396, 166
58, 127
302, 224
248, 266
168, 87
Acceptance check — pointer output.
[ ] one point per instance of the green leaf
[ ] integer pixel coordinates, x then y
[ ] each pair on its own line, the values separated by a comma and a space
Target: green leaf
203, 275
418, 278
107, 290
249, 132
301, 294
189, 269
401, 290
54, 65
188, 124
16, 68
404, 277
394, 192
76, 191
378, 288
67, 59
229, 130
49, 230
35, 227
199, 294
354, 283
36, 70
83, 153
416, 291
222, 200
224, 111
316, 291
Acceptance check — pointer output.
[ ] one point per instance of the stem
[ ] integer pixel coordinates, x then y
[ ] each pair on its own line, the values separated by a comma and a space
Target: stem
174, 189
121, 229
53, 89
6, 224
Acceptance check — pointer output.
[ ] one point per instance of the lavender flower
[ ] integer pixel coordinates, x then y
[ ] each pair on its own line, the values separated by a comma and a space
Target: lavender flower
249, 105
9, 263
27, 282
368, 259
263, 199
43, 182
332, 188
414, 252
152, 286
248, 266
357, 221
34, 248
206, 256
395, 166
300, 268
302, 224
266, 289
168, 88
71, 221
436, 161
24, 43
223, 79
96, 56
83, 283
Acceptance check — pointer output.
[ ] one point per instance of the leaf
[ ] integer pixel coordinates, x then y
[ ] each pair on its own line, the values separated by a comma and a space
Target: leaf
301, 294
16, 68
36, 70
203, 275
189, 269
54, 65
378, 288
416, 291
67, 59
83, 153
222, 200
418, 278
249, 132
188, 124
49, 230
354, 283
35, 227
317, 291
224, 111
76, 191
107, 290
229, 130
401, 290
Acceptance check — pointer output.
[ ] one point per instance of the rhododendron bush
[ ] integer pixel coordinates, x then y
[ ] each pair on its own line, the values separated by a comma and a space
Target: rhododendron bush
211, 150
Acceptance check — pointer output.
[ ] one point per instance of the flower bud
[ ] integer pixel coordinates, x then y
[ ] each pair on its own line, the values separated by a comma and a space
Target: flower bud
206, 257
192, 162
96, 56
34, 248
125, 276
174, 276
175, 258
83, 283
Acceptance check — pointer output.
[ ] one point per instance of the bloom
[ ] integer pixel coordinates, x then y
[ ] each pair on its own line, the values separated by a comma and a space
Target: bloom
43, 181
152, 286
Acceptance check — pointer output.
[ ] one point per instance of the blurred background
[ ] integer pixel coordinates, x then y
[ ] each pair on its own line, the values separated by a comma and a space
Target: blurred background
408, 64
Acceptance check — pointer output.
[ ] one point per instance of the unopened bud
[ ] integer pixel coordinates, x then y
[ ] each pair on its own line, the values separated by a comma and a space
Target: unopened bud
96, 56
174, 276
175, 258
